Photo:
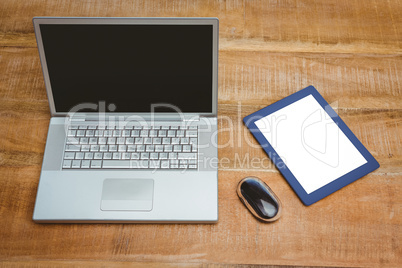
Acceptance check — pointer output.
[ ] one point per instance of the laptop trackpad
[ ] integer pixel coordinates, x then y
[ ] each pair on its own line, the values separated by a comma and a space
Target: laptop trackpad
127, 194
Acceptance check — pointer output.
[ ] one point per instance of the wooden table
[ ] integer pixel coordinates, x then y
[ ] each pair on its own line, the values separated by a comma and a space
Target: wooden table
349, 50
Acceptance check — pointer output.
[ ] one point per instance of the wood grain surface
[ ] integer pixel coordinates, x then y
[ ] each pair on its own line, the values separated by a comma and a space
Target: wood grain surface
351, 51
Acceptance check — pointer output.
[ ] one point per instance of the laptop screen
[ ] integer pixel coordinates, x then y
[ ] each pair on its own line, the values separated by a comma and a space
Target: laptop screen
130, 67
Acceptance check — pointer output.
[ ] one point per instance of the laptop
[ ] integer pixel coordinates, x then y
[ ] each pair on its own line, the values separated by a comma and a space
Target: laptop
133, 129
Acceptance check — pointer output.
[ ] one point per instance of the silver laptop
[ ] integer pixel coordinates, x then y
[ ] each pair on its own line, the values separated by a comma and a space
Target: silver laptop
133, 132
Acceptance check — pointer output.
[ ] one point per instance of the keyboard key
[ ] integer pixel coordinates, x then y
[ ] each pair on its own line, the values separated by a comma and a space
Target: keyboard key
183, 166
107, 155
157, 140
71, 133
135, 156
192, 161
154, 156
175, 140
73, 148
85, 148
91, 127
80, 133
187, 148
121, 141
89, 155
192, 127
166, 141
76, 164
144, 133
112, 148
172, 155
90, 133
150, 148
192, 166
79, 155
95, 148
98, 133
147, 140
102, 140
153, 133
144, 155
116, 133
162, 133
72, 140
154, 164
130, 141
82, 127
184, 140
140, 148
69, 155
85, 163
98, 155
168, 148
93, 141
67, 163
111, 141
163, 156
122, 148
73, 127
139, 141
177, 148
171, 133
131, 148
125, 133
84, 141
158, 148
103, 148
96, 164
135, 133
117, 156
126, 156
165, 164
180, 133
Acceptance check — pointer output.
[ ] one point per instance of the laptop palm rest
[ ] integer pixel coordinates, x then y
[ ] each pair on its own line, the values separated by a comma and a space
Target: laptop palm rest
127, 194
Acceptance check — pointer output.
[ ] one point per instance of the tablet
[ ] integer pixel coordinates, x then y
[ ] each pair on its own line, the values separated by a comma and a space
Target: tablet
310, 145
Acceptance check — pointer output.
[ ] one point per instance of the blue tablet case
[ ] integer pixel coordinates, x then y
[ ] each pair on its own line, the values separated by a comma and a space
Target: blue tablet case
334, 185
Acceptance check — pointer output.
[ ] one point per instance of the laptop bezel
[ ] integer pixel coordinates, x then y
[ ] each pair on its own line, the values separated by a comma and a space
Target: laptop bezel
37, 21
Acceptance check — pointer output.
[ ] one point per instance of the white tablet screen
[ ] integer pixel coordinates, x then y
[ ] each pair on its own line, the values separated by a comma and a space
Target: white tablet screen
310, 143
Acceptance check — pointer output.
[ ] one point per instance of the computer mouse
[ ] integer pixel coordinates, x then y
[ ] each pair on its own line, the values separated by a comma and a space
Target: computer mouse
259, 199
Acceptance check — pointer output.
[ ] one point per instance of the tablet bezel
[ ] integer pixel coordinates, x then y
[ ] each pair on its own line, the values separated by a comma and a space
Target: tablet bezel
336, 184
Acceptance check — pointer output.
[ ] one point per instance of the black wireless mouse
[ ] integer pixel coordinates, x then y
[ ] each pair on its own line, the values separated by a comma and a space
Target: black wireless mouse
259, 199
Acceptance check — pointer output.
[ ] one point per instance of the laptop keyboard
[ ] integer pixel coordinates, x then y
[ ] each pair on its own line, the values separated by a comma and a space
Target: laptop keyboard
157, 147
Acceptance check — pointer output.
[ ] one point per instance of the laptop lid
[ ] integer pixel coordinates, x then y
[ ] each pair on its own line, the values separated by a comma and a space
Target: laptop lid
129, 65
